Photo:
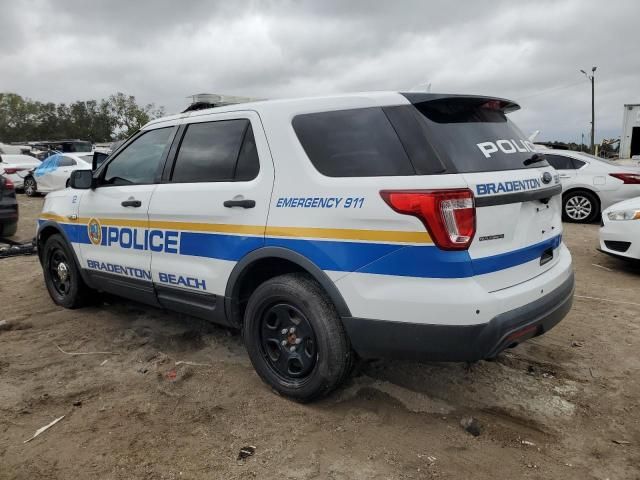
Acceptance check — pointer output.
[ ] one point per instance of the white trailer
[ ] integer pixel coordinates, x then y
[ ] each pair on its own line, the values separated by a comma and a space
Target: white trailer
630, 139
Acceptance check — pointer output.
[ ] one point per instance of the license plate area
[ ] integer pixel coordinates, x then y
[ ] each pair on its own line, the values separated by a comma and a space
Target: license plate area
546, 256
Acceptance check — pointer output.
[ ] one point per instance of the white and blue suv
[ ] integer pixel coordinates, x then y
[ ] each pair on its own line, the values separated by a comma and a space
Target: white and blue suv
413, 225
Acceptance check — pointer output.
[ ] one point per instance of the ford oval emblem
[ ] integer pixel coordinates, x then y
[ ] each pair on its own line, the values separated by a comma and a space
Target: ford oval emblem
546, 177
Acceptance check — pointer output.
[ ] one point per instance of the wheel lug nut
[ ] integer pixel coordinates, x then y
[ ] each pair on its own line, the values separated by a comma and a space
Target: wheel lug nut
298, 341
284, 331
292, 329
283, 343
292, 349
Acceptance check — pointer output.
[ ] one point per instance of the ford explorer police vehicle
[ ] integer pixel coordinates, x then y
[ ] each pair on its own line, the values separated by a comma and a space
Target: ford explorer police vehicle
413, 225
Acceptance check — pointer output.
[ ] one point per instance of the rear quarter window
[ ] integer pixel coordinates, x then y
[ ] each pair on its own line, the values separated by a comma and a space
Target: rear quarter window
352, 143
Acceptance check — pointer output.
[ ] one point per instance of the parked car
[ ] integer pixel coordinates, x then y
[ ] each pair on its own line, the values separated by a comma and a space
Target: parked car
591, 184
17, 168
412, 225
53, 174
620, 231
8, 208
14, 149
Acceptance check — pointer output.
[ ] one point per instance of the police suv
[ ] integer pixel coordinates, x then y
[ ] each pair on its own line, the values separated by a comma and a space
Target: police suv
412, 225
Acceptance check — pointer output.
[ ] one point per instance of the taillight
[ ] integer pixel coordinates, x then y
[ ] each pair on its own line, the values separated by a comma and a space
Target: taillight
13, 170
448, 215
8, 184
627, 178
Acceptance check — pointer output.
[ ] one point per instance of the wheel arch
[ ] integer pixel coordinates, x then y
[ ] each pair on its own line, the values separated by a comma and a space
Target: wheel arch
45, 231
268, 262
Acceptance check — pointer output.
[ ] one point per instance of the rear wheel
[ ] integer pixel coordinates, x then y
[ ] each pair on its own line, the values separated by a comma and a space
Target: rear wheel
62, 275
295, 338
30, 187
580, 207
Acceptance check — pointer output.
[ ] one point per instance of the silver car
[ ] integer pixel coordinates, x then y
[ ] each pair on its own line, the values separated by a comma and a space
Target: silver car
591, 184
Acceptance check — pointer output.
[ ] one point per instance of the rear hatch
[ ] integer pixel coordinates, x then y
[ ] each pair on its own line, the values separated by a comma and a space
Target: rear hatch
517, 194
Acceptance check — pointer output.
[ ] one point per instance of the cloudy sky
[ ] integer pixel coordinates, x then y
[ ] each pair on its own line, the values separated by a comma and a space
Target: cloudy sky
163, 50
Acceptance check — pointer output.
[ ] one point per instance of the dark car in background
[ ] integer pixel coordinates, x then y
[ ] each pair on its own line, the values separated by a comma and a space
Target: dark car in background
8, 208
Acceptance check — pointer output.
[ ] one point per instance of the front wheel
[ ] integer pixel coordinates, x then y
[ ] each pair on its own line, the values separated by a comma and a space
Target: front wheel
62, 275
30, 187
295, 339
580, 207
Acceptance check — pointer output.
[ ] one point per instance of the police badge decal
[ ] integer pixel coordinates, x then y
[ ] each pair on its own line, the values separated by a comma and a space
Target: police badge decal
95, 231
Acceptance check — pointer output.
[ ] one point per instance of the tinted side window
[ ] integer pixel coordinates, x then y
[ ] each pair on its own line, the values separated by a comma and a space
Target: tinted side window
139, 161
577, 163
209, 151
66, 162
559, 162
248, 164
352, 143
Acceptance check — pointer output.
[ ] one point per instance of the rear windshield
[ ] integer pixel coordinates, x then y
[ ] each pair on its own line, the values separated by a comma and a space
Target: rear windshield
459, 135
475, 135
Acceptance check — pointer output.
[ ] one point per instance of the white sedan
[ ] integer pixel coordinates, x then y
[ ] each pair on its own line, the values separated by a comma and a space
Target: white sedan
17, 168
620, 232
591, 184
53, 174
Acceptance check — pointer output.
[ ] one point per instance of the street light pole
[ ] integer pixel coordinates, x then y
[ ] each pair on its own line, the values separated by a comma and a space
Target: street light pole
591, 78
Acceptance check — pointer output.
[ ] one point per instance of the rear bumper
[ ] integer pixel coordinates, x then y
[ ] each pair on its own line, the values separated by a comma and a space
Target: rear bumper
419, 341
8, 213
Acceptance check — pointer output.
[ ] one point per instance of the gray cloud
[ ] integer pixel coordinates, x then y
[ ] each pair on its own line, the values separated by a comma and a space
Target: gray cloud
164, 50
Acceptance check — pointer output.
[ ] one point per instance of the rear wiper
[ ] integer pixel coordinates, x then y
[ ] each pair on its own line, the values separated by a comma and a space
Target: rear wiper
537, 157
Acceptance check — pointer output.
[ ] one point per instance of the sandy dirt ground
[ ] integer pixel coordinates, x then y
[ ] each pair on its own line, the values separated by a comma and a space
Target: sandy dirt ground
551, 408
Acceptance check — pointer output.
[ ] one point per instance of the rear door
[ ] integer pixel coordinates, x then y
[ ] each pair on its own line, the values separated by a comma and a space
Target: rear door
214, 200
517, 194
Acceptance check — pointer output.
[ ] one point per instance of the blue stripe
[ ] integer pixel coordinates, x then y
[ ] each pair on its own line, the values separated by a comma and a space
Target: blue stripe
336, 255
517, 257
426, 261
218, 246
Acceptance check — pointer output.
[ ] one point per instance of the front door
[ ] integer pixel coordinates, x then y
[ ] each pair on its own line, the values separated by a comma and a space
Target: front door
214, 200
116, 251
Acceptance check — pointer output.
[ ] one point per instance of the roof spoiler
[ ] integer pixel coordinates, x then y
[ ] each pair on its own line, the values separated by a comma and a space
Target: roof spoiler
502, 104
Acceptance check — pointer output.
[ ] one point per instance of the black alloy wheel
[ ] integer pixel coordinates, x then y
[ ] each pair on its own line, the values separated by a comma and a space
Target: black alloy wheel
62, 275
60, 272
288, 341
295, 337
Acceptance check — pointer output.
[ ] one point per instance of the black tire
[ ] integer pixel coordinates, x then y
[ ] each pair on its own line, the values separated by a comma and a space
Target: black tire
70, 292
8, 229
321, 357
580, 206
30, 187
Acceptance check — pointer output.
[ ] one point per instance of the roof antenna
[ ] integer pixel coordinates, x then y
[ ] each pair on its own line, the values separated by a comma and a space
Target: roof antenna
418, 87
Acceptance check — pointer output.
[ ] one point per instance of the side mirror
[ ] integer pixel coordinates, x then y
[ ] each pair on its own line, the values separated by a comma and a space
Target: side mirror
81, 179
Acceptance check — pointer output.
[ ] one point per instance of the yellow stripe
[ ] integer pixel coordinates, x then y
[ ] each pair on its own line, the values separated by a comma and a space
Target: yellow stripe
350, 234
56, 218
297, 232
